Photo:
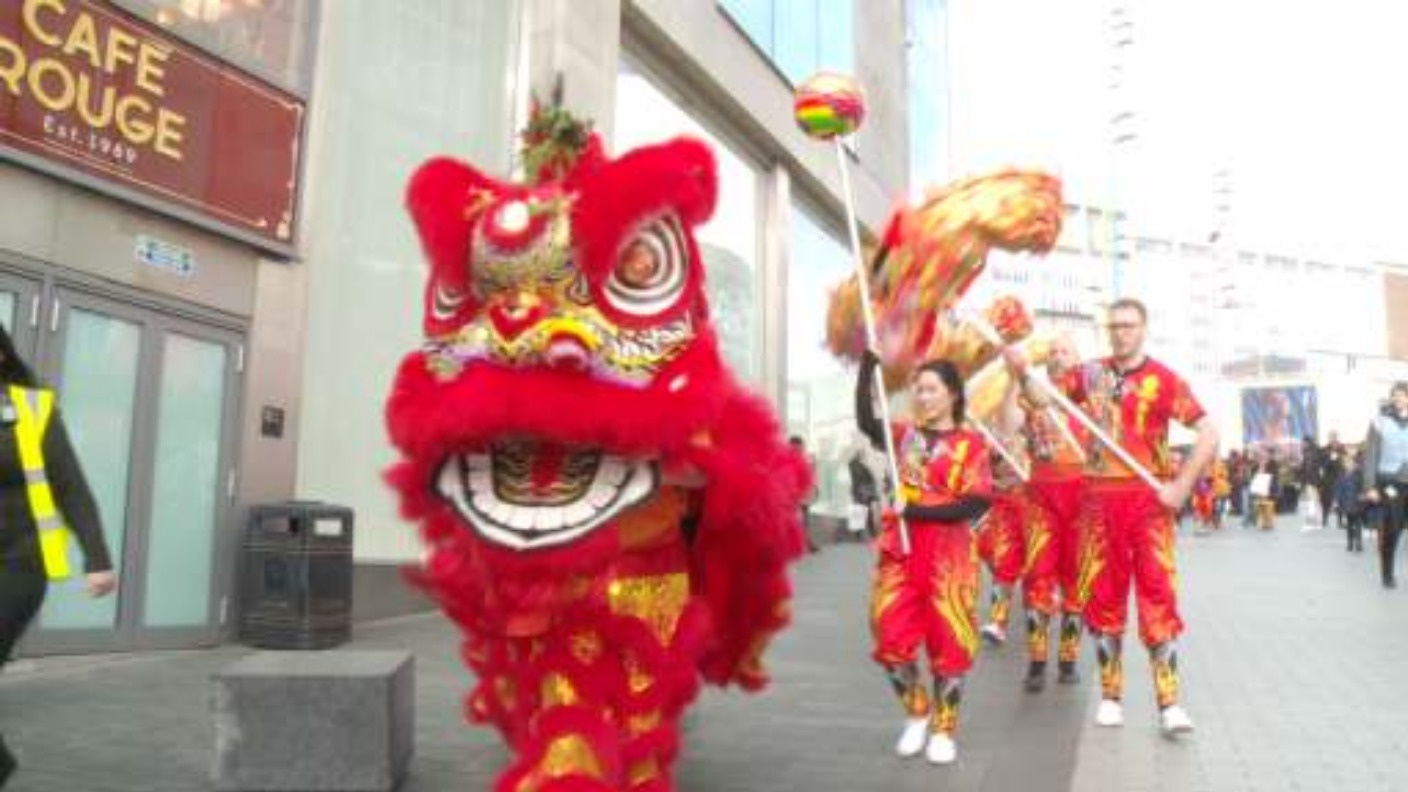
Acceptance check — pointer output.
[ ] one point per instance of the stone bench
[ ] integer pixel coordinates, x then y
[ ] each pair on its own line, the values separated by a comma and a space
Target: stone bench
308, 721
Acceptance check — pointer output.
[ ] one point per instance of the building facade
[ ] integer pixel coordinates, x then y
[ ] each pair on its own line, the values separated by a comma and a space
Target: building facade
208, 360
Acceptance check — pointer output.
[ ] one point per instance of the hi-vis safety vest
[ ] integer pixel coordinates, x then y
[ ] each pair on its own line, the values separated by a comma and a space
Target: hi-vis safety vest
33, 408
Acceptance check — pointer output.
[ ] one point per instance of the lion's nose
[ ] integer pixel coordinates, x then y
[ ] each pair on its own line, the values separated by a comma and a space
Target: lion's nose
567, 352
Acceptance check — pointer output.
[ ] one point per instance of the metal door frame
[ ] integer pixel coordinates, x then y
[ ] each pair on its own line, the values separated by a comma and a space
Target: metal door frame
29, 290
156, 316
224, 540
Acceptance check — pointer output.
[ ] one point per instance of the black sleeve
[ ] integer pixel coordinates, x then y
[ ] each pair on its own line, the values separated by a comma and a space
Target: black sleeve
867, 422
965, 509
72, 496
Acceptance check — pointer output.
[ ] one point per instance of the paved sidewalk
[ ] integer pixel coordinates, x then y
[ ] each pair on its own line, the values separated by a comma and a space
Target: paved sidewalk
1293, 664
1294, 667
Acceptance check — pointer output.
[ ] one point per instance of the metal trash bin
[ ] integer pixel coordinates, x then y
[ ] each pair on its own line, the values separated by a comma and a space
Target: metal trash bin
296, 587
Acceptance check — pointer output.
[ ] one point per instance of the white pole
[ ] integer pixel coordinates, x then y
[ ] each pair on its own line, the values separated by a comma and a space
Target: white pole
1053, 415
1022, 472
863, 280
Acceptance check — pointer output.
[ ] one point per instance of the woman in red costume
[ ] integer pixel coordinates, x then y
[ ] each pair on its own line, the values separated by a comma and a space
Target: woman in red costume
929, 595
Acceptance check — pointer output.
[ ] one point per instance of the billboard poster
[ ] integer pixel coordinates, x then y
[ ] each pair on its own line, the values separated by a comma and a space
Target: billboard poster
1281, 415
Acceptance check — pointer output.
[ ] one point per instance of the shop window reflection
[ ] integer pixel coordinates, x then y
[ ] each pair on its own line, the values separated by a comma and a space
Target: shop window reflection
819, 388
729, 242
269, 38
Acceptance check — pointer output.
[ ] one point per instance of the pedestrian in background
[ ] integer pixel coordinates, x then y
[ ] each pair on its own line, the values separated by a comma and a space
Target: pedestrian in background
1385, 471
800, 445
1352, 510
864, 492
44, 499
1329, 470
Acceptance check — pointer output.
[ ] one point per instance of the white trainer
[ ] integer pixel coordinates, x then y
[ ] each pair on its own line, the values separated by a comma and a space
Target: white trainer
911, 742
994, 635
1174, 721
1111, 713
942, 749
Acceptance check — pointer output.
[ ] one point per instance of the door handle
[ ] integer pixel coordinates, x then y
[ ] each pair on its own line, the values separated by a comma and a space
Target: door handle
54, 317
34, 311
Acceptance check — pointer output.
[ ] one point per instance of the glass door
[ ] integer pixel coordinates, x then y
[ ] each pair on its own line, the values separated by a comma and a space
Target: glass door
94, 361
150, 401
191, 487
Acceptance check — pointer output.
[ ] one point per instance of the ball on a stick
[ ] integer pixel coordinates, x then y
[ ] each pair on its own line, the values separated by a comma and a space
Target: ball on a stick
829, 104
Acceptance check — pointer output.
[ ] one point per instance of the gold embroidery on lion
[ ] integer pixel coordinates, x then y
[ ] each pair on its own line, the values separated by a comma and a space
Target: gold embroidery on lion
657, 600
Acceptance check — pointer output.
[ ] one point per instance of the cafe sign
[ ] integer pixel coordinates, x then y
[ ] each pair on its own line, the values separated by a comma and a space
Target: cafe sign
94, 94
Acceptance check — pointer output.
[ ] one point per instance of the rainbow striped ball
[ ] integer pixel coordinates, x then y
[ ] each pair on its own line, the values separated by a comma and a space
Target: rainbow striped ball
828, 105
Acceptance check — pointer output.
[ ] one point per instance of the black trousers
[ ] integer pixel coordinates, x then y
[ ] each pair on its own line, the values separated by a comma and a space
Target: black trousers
1353, 523
21, 594
1327, 504
1395, 513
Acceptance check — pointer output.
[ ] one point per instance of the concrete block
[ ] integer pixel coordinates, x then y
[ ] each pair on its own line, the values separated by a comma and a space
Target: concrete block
331, 720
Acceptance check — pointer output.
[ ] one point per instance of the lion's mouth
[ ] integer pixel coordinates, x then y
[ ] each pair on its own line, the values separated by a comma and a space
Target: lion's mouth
527, 495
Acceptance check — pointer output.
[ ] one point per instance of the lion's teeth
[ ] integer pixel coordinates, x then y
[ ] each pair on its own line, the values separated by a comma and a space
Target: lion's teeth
547, 518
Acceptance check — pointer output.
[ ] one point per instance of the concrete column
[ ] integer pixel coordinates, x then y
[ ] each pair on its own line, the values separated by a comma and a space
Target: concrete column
776, 210
581, 41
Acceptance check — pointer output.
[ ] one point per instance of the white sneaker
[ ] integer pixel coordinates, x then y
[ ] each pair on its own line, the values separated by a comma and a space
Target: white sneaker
942, 749
916, 732
994, 635
1111, 713
1174, 721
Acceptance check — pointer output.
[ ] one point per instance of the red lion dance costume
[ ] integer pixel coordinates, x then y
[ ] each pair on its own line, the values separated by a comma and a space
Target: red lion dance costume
609, 515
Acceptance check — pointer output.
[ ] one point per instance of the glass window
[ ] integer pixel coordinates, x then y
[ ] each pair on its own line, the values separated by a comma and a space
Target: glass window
273, 39
755, 17
819, 388
366, 271
800, 37
729, 242
836, 39
796, 39
927, 21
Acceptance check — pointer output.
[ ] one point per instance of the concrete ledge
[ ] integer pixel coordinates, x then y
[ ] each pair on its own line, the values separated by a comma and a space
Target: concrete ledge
311, 721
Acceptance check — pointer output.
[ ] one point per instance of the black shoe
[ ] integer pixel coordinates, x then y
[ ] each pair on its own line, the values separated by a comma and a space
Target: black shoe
1068, 675
1035, 681
1390, 583
7, 764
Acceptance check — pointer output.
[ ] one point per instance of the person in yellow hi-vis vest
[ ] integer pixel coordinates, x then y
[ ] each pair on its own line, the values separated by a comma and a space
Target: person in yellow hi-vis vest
44, 504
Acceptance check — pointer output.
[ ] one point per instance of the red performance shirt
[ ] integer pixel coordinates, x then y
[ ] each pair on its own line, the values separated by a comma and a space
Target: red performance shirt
1052, 455
1134, 407
939, 469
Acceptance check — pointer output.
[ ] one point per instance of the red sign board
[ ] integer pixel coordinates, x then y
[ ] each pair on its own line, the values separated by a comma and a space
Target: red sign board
87, 90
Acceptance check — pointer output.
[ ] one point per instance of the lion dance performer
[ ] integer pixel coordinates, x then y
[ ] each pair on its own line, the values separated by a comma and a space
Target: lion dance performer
929, 596
609, 515
1129, 524
1054, 538
928, 256
1002, 544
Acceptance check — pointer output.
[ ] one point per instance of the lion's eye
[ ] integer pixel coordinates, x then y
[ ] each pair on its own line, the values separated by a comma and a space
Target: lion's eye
638, 266
651, 270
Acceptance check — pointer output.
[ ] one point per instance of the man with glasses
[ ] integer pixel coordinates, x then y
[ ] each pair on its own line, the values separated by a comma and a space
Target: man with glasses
1130, 527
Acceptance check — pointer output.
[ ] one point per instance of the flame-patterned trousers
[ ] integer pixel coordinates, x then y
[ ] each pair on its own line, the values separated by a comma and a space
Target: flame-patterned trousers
1001, 538
1053, 543
1129, 538
928, 597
